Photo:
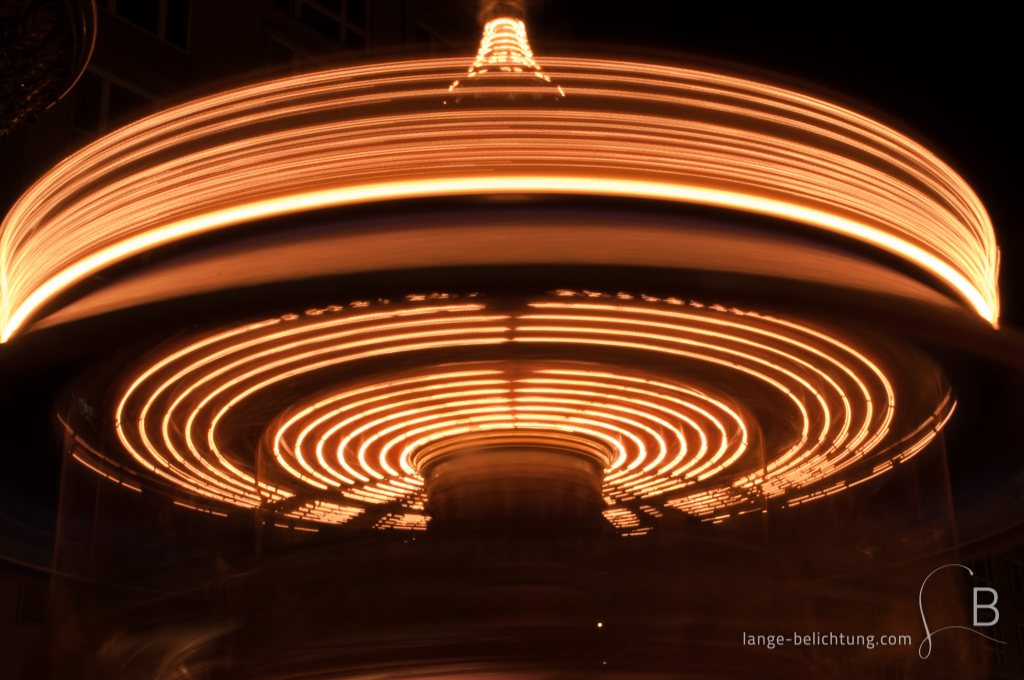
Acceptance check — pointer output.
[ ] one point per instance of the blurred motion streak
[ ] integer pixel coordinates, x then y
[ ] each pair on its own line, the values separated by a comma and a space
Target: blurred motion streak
656, 434
387, 131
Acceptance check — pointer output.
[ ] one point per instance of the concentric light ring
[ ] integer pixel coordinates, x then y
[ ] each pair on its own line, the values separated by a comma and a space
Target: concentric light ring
372, 133
797, 408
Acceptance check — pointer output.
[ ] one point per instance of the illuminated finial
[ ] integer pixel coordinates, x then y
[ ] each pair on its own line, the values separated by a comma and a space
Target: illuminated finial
505, 59
504, 48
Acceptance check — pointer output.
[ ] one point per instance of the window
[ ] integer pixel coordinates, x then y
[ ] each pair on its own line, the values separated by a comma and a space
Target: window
343, 21
167, 19
102, 104
281, 54
1016, 577
982, 568
286, 56
895, 673
998, 651
430, 42
33, 602
88, 102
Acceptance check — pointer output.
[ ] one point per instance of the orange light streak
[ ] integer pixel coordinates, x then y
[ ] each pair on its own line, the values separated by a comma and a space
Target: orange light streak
234, 487
512, 421
859, 436
703, 138
392, 393
362, 414
662, 437
693, 393
804, 435
679, 434
281, 362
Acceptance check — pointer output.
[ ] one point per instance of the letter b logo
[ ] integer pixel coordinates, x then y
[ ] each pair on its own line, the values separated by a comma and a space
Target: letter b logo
990, 605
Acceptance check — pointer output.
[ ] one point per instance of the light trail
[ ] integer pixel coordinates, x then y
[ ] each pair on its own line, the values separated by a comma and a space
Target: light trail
627, 129
795, 411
